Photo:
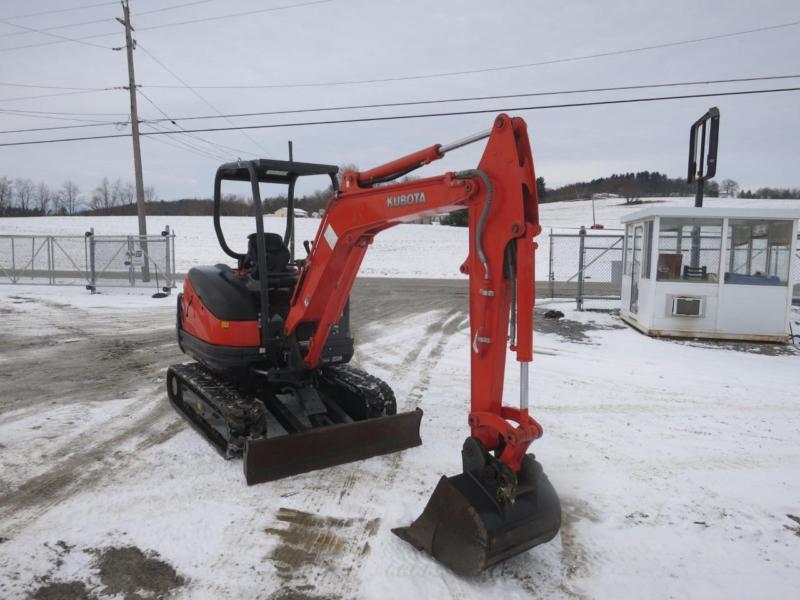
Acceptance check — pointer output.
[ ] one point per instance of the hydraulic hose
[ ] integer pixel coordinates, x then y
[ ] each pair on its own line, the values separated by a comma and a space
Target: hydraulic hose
484, 213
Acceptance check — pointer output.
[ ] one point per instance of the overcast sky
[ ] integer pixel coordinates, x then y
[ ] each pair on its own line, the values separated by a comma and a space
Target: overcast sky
346, 40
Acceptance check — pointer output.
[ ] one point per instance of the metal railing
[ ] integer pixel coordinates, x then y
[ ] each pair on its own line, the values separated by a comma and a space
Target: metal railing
91, 260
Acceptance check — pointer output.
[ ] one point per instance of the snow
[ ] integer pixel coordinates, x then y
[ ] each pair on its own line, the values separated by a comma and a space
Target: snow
677, 464
394, 253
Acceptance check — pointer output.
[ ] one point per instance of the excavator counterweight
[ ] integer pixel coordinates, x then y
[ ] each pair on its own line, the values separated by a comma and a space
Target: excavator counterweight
272, 342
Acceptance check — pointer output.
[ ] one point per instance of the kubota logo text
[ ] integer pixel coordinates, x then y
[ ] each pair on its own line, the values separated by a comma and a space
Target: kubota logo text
405, 200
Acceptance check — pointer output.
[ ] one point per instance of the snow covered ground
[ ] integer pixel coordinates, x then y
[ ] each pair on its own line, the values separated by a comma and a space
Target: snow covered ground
677, 463
403, 251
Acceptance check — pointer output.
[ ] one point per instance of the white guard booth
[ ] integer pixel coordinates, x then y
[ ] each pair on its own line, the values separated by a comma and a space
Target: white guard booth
722, 273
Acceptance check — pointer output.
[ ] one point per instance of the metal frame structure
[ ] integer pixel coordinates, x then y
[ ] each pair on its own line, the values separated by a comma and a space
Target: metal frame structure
65, 267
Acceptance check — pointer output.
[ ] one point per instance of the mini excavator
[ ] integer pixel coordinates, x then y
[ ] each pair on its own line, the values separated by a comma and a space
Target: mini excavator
272, 342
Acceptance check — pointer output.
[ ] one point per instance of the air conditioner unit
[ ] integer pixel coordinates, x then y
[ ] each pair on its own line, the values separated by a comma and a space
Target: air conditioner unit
687, 306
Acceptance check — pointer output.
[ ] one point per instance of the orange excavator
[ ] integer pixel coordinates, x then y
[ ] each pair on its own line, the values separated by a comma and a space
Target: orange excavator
272, 342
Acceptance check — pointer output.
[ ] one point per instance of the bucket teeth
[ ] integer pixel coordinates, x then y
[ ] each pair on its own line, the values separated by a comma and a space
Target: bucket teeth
465, 527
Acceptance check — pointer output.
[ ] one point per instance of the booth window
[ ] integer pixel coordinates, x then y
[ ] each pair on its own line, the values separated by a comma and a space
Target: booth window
689, 250
759, 252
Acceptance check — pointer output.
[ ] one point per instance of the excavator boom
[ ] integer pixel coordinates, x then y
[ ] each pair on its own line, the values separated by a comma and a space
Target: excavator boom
502, 498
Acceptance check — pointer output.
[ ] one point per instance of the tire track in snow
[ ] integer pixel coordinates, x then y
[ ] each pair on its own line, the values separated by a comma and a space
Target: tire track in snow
299, 565
84, 469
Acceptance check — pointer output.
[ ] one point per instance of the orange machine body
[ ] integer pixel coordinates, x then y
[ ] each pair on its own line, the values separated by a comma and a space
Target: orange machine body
197, 320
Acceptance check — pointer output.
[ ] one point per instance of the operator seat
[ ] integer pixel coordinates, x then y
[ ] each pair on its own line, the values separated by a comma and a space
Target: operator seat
277, 254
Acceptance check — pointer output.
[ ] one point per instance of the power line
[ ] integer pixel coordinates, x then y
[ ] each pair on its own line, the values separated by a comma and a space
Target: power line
172, 143
55, 35
62, 94
47, 87
233, 15
84, 123
58, 10
494, 97
54, 27
427, 115
163, 25
176, 142
174, 120
173, 7
105, 19
505, 67
53, 112
200, 96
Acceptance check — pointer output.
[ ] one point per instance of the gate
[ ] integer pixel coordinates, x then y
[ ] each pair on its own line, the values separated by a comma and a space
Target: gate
91, 260
586, 265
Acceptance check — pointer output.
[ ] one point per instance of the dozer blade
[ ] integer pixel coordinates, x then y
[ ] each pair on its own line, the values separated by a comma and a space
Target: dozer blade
267, 459
468, 527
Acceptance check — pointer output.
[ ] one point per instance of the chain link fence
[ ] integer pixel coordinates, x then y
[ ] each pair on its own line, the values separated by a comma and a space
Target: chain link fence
586, 264
91, 260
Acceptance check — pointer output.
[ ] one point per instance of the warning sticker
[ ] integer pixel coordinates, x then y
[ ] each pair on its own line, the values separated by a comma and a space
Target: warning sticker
330, 236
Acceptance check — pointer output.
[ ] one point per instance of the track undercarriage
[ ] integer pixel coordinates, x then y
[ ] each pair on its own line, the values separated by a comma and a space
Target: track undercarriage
340, 414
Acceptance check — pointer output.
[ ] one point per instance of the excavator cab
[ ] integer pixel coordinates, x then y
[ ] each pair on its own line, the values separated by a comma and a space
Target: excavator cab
256, 294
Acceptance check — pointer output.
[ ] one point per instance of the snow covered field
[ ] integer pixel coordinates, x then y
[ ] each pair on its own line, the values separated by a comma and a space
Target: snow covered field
677, 463
417, 251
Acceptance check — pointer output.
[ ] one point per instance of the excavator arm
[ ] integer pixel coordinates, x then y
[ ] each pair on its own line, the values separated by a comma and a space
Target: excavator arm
502, 503
502, 204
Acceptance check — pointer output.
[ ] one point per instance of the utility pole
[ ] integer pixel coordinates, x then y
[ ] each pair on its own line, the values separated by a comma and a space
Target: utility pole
130, 44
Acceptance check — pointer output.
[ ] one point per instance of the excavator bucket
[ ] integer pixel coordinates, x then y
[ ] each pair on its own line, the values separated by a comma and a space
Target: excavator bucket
480, 518
268, 459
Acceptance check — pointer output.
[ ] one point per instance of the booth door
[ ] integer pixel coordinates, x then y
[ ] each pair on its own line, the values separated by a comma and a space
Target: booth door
636, 268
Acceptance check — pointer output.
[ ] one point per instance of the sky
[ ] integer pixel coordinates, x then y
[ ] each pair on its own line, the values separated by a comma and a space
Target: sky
339, 41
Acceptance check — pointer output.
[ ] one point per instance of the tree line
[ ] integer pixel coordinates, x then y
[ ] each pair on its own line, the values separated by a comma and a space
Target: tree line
772, 193
631, 186
24, 197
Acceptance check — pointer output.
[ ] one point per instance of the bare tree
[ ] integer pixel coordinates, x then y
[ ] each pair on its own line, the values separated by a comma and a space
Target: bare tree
6, 190
43, 197
103, 195
128, 193
630, 192
68, 197
23, 189
730, 187
117, 192
150, 194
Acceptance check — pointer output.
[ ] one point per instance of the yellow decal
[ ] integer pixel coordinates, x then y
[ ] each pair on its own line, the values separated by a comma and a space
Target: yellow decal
225, 324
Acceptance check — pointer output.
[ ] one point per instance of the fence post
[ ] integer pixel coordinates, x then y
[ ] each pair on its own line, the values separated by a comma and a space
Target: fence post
131, 268
582, 238
51, 260
551, 274
92, 287
167, 260
13, 263
174, 272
